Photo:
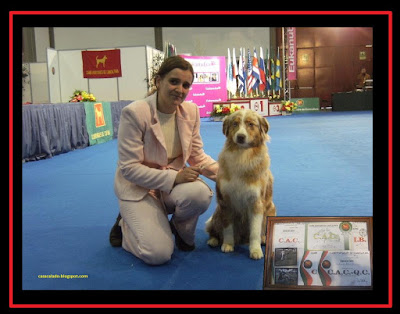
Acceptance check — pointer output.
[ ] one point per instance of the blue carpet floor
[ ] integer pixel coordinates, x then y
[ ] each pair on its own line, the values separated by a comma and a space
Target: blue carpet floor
322, 164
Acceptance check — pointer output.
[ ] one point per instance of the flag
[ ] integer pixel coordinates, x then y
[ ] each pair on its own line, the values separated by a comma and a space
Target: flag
234, 65
268, 72
244, 70
170, 50
167, 52
230, 80
278, 83
241, 75
101, 63
99, 123
228, 72
250, 79
234, 70
272, 74
255, 70
261, 66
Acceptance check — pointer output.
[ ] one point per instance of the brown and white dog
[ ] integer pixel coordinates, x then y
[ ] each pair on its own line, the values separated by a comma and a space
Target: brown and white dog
244, 185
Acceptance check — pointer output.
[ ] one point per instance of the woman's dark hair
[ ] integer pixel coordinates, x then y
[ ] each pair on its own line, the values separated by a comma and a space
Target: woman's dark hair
167, 66
172, 63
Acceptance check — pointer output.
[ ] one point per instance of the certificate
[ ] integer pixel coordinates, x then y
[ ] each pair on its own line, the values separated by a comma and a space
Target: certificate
325, 236
289, 235
345, 268
318, 253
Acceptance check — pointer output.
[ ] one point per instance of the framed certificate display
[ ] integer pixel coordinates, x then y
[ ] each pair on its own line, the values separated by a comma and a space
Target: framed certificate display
318, 253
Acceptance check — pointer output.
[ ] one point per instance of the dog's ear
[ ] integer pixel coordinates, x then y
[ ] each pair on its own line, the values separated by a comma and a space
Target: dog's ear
264, 125
225, 126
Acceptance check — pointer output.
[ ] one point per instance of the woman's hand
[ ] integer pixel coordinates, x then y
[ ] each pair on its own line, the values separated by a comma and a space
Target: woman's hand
188, 174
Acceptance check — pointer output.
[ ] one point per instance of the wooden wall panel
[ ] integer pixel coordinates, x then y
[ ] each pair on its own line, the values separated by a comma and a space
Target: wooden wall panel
323, 81
330, 58
305, 58
305, 37
343, 74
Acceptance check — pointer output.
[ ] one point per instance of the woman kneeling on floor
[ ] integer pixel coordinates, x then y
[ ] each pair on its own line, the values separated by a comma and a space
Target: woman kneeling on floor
157, 137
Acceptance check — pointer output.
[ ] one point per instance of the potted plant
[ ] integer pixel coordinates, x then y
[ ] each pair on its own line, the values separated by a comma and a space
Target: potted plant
220, 112
82, 96
288, 107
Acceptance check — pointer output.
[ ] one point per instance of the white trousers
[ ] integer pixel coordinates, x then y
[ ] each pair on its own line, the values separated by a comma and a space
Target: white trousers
146, 232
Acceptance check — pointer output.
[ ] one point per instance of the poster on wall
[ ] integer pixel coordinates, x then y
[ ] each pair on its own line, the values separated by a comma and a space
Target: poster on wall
209, 84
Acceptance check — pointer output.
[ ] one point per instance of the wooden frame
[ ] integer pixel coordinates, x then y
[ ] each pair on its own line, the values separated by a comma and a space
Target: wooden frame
299, 252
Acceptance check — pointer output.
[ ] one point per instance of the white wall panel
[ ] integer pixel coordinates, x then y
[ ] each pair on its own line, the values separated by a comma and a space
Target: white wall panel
132, 84
104, 89
53, 74
71, 73
39, 85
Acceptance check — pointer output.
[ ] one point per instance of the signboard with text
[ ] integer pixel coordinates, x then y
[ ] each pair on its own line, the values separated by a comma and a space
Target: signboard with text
292, 53
209, 84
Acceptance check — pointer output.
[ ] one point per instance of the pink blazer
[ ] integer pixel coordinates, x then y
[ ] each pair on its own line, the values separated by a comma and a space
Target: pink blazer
143, 162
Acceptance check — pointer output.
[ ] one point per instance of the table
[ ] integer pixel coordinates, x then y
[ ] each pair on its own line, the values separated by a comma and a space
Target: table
51, 129
352, 101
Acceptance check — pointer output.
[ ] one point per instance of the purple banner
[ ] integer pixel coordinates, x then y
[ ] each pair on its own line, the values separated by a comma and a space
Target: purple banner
292, 53
209, 83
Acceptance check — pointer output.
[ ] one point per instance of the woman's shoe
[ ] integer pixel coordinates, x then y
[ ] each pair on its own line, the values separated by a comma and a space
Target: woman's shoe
182, 245
116, 233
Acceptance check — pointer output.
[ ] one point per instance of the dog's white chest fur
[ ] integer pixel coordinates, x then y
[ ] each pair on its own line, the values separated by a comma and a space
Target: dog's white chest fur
241, 195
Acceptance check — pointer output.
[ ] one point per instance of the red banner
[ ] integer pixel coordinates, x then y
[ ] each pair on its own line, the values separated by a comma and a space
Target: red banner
292, 53
101, 63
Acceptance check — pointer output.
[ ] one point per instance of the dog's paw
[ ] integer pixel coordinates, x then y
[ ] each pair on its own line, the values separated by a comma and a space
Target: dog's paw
213, 242
256, 253
225, 247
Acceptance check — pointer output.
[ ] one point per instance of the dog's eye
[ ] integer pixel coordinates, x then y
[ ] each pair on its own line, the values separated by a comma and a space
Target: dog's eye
251, 124
235, 124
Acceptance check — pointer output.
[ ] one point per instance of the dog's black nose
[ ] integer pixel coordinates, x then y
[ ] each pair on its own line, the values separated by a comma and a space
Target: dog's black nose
240, 139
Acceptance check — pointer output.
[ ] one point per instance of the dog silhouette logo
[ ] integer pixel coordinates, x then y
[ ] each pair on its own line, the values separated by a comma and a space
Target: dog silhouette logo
101, 61
99, 115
